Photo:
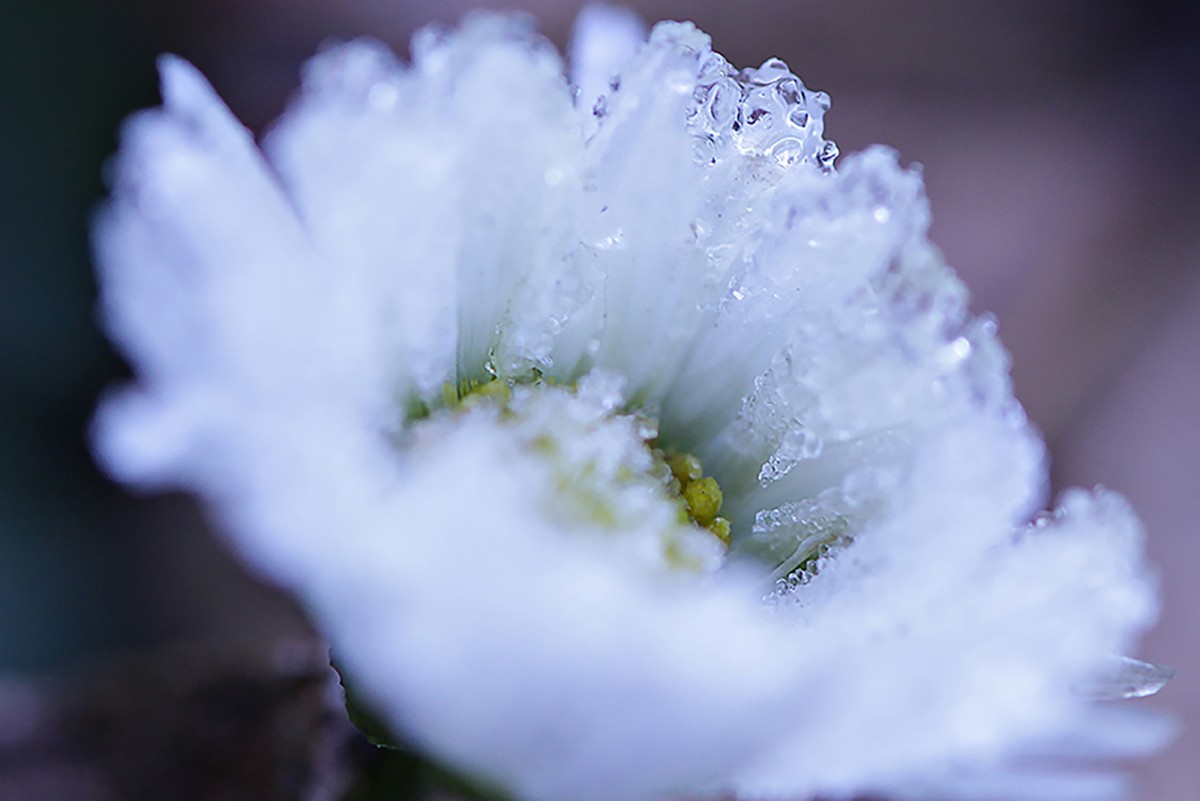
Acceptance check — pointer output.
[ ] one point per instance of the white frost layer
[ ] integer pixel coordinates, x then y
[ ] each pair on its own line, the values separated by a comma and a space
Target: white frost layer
415, 225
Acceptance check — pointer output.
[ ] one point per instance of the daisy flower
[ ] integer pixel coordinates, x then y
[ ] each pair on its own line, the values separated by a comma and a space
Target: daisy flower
620, 444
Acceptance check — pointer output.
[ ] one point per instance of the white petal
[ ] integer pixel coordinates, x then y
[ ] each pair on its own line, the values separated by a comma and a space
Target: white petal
644, 193
360, 154
918, 691
196, 251
604, 40
506, 116
578, 677
821, 243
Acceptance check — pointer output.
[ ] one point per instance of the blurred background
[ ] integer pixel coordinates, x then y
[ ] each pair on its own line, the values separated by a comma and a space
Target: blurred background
1061, 148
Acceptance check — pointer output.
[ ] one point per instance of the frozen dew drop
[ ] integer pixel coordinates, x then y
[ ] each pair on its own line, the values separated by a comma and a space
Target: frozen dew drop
763, 111
796, 536
787, 151
612, 241
1124, 677
771, 71
789, 91
828, 154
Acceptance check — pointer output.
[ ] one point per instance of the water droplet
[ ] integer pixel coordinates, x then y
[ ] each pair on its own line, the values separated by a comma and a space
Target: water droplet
773, 69
614, 240
1124, 677
789, 91
798, 117
765, 111
829, 153
704, 151
787, 151
680, 82
758, 115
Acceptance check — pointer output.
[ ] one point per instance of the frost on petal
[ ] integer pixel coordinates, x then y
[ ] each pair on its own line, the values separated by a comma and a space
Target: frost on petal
539, 660
196, 238
819, 241
380, 204
604, 40
642, 193
681, 159
871, 343
441, 195
504, 114
921, 695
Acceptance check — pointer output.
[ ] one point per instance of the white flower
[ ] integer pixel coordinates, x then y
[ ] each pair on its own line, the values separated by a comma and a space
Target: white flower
663, 268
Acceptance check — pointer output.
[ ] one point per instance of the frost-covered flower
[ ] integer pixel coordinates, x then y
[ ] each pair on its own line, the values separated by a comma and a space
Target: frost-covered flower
620, 445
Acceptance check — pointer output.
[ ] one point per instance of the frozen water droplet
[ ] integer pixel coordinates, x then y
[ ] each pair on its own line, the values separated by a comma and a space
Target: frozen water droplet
614, 240
680, 82
704, 151
798, 536
787, 151
757, 116
772, 70
829, 153
765, 111
1124, 677
789, 91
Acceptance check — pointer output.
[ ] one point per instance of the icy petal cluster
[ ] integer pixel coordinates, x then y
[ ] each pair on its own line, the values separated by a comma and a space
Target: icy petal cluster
662, 258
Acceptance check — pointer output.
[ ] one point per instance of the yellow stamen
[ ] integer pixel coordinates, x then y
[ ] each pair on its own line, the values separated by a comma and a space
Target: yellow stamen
685, 467
703, 498
721, 529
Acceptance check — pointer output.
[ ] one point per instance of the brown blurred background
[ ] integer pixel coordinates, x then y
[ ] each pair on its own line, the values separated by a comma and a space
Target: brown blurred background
1061, 145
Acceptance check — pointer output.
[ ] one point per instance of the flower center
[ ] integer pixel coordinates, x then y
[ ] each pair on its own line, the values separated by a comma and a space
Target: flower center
601, 466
